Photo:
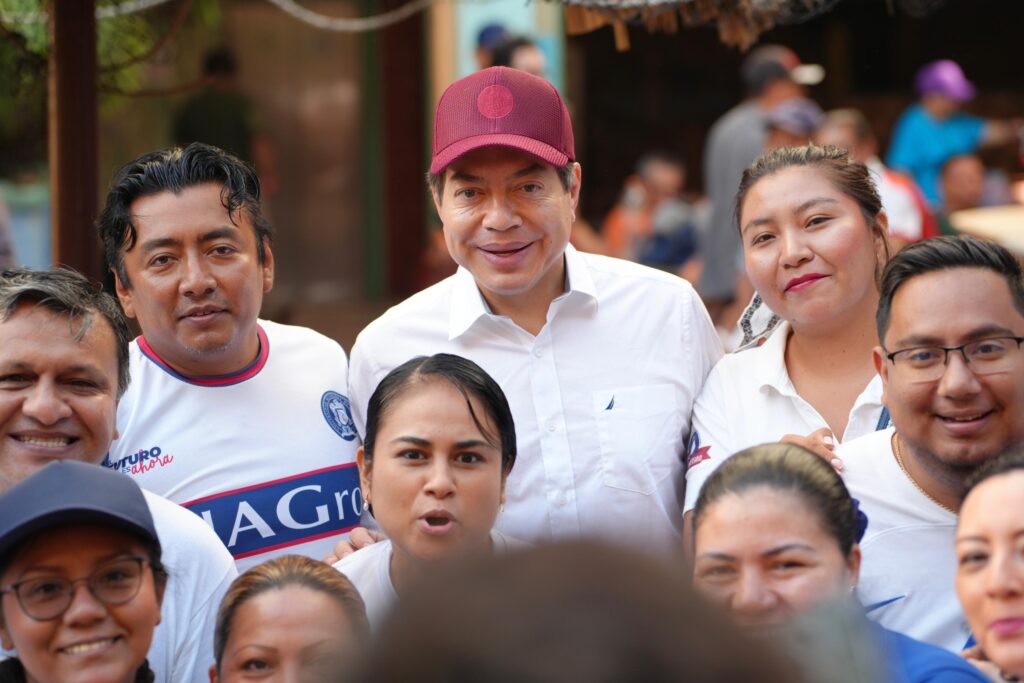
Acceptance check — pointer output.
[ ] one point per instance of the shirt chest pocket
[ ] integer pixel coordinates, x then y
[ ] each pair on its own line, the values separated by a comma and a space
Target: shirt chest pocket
640, 431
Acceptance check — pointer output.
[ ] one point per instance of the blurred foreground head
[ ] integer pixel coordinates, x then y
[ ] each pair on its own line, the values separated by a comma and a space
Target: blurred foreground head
574, 612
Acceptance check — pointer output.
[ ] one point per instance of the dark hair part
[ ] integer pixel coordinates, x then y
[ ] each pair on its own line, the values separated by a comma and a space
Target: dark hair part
850, 177
280, 573
943, 253
468, 378
1006, 464
68, 293
435, 181
790, 469
173, 170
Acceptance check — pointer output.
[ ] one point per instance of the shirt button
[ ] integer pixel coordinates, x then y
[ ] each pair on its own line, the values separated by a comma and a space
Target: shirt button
538, 352
551, 426
560, 500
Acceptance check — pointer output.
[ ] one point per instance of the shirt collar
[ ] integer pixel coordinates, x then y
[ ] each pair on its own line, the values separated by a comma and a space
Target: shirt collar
468, 305
771, 372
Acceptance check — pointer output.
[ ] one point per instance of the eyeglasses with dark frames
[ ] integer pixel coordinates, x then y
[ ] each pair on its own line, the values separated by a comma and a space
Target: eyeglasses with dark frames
47, 597
983, 356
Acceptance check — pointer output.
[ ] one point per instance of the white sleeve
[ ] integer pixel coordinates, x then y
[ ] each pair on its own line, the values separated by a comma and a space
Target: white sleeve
199, 570
711, 437
362, 381
703, 340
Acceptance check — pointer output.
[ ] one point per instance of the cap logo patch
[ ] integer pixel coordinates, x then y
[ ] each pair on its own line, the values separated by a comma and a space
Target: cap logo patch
495, 102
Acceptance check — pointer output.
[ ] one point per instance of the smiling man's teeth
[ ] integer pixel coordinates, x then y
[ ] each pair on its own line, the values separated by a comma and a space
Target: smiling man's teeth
83, 648
964, 419
54, 442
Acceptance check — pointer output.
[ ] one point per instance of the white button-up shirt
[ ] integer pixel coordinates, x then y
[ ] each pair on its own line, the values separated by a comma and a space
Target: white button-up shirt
749, 399
600, 397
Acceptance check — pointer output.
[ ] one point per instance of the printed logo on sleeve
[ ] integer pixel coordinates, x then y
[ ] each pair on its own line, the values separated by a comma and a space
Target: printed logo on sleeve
338, 413
286, 512
698, 453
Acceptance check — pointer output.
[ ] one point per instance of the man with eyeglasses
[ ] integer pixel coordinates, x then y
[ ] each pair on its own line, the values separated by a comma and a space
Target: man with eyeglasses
950, 324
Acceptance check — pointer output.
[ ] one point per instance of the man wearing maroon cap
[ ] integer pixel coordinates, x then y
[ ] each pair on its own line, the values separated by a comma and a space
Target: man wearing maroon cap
600, 358
934, 130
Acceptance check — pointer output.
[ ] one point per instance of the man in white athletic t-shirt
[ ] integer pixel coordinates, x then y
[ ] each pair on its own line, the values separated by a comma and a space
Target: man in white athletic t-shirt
63, 365
243, 421
951, 323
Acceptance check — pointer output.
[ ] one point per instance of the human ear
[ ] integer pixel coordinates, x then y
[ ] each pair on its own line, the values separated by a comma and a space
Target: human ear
882, 368
365, 473
124, 294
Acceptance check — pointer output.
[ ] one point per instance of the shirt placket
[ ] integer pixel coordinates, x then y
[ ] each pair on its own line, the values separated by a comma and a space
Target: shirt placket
554, 439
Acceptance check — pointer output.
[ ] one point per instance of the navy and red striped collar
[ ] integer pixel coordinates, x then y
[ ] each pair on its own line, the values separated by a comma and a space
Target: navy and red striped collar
248, 372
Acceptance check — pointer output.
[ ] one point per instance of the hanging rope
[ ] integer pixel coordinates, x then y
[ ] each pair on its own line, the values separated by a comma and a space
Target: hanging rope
352, 24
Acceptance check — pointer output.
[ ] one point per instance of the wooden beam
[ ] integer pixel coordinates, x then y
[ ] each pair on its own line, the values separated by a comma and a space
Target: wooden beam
73, 135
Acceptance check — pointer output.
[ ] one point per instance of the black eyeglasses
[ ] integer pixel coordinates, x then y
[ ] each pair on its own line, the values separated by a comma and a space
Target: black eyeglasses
983, 357
47, 597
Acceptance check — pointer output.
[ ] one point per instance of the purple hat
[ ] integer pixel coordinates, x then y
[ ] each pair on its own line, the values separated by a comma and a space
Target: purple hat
502, 107
799, 116
944, 77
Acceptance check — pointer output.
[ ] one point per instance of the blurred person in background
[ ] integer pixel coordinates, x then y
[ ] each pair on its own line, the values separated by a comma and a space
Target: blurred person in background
776, 534
793, 123
909, 216
289, 620
653, 223
562, 614
487, 39
771, 74
962, 185
522, 53
990, 566
222, 116
930, 132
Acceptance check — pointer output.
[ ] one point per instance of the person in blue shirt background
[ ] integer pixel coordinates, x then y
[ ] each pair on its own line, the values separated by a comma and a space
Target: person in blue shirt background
928, 133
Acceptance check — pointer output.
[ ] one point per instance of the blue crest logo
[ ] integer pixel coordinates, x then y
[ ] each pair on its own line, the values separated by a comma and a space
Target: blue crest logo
338, 414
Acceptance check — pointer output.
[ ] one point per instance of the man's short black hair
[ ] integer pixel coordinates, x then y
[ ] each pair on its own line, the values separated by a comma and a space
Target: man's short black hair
435, 181
67, 292
173, 170
943, 253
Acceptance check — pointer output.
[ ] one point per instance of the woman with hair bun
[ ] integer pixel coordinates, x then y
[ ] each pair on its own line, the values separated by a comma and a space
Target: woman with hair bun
288, 620
777, 534
440, 443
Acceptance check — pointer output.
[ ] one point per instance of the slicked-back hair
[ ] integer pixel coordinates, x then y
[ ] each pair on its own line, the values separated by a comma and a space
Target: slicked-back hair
284, 572
850, 177
173, 170
792, 469
942, 253
468, 378
68, 293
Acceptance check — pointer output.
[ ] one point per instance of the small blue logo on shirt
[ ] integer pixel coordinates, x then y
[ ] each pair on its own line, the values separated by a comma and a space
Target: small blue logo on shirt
338, 414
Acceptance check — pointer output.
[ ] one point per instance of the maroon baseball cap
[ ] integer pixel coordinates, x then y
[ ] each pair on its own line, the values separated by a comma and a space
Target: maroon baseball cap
502, 107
